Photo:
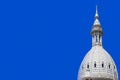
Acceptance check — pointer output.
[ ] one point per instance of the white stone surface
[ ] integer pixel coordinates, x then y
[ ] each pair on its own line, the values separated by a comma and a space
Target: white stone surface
99, 55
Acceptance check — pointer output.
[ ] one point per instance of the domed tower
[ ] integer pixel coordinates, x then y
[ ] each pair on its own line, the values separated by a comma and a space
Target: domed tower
97, 64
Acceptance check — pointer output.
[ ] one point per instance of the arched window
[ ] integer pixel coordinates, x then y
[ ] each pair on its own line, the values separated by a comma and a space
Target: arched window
114, 66
87, 65
109, 65
102, 64
82, 67
96, 39
99, 38
95, 64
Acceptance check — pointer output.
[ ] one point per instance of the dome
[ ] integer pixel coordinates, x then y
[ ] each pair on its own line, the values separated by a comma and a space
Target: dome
97, 64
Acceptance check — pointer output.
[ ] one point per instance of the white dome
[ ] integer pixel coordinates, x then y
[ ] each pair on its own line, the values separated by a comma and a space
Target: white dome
97, 64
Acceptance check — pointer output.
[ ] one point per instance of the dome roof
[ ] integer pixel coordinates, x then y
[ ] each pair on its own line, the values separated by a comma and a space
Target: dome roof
98, 64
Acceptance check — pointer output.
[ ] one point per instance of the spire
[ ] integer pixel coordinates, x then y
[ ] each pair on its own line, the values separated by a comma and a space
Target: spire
96, 31
96, 14
96, 22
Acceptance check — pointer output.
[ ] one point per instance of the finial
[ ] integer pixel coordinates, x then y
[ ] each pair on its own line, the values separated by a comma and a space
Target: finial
96, 9
96, 14
96, 22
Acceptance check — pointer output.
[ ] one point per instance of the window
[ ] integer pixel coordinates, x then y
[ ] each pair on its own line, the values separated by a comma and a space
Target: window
87, 65
99, 38
114, 66
96, 39
82, 67
95, 64
102, 64
109, 65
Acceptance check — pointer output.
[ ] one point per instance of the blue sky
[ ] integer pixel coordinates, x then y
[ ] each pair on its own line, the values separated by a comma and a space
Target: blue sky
48, 39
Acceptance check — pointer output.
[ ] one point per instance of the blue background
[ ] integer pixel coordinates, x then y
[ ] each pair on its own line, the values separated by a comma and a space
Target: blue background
47, 39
